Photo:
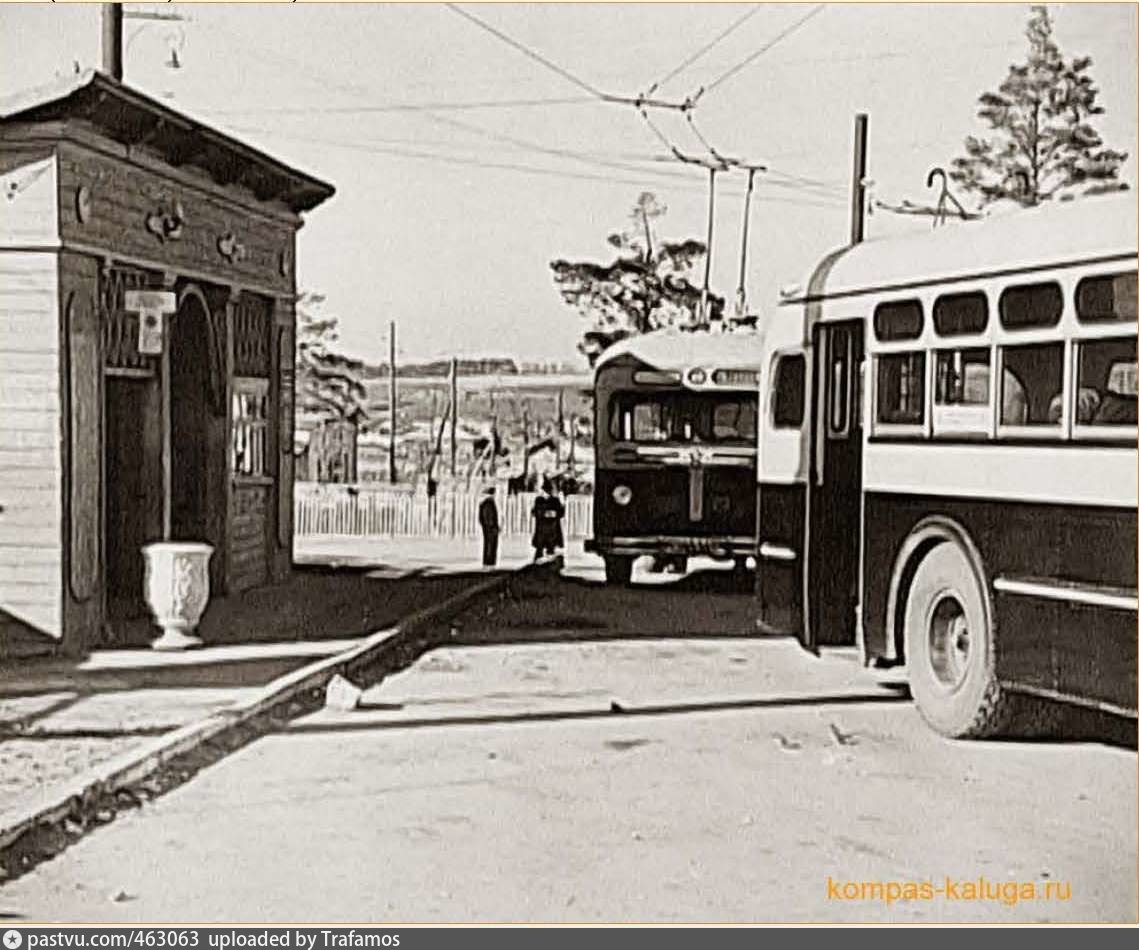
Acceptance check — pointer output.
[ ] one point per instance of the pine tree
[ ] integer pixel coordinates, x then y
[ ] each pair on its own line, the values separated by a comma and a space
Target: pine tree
1043, 144
647, 287
328, 384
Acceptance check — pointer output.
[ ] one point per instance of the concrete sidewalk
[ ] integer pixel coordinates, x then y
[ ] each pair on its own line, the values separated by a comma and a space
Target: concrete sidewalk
398, 556
60, 718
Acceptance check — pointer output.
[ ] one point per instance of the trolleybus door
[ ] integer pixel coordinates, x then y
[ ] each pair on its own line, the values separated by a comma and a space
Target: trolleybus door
834, 491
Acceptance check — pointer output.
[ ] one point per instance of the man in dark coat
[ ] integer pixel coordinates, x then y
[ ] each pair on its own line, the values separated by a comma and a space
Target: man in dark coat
488, 521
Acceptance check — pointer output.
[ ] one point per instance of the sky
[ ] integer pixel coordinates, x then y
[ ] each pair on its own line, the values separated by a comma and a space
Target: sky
463, 165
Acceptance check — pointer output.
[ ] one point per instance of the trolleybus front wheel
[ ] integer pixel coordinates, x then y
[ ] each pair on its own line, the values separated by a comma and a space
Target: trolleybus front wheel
618, 569
949, 646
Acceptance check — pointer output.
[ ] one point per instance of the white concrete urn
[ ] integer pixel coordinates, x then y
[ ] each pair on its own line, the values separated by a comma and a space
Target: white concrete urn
177, 590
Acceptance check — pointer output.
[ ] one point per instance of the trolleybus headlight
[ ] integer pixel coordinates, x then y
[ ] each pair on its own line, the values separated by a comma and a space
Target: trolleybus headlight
697, 377
622, 494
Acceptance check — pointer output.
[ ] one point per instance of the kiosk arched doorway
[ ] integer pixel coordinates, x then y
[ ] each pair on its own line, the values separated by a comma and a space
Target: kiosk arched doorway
196, 434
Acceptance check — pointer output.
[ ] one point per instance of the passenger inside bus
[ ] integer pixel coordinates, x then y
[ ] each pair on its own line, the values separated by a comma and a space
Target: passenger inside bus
1108, 366
1033, 374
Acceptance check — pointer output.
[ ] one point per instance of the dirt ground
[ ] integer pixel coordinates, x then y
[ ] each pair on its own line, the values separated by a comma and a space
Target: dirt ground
625, 780
593, 754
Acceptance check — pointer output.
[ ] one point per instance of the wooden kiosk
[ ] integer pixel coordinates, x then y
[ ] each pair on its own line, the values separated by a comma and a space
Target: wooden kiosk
123, 426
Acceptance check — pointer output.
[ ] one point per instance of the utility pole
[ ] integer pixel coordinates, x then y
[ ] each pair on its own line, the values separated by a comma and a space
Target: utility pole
111, 45
493, 434
858, 185
525, 444
392, 400
454, 413
561, 424
112, 40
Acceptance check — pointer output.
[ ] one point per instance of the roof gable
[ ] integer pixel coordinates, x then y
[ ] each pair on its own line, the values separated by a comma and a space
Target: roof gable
129, 117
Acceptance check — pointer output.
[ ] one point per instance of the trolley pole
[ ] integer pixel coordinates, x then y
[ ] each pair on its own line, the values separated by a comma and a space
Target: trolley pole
392, 400
705, 317
858, 186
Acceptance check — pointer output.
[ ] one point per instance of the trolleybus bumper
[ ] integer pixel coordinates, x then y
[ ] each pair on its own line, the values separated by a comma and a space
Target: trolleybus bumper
715, 547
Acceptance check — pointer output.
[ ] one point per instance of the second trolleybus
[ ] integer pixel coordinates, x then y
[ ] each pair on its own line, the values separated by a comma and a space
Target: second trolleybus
675, 443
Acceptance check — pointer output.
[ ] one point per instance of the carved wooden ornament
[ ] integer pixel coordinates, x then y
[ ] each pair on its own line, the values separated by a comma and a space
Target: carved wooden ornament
231, 248
83, 204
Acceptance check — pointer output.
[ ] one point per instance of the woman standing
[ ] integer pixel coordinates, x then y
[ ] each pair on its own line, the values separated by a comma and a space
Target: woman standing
547, 515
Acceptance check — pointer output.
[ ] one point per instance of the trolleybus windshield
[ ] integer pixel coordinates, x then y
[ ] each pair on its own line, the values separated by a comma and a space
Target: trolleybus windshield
683, 417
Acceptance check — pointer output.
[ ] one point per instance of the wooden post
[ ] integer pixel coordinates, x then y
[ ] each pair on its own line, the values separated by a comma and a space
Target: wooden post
525, 445
454, 414
858, 186
392, 399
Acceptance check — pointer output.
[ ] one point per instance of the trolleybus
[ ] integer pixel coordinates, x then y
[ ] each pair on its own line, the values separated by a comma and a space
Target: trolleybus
947, 461
675, 446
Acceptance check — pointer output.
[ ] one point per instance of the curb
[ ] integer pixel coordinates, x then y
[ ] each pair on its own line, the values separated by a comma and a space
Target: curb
131, 767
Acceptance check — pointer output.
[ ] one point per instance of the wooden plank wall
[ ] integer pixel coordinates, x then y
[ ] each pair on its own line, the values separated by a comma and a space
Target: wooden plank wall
247, 561
31, 535
28, 215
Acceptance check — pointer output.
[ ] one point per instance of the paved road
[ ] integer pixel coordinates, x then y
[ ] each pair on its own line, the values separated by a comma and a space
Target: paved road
615, 780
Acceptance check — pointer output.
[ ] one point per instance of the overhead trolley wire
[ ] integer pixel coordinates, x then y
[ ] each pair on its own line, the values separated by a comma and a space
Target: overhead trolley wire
374, 149
708, 145
526, 51
431, 115
736, 24
441, 106
600, 95
748, 60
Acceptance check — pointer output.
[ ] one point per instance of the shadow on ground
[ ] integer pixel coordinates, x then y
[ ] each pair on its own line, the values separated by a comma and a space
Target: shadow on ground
711, 603
314, 604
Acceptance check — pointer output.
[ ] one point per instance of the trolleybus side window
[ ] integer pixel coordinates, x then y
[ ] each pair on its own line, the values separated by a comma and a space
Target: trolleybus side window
1032, 385
1031, 305
961, 390
1106, 299
1107, 386
898, 320
901, 388
790, 392
961, 314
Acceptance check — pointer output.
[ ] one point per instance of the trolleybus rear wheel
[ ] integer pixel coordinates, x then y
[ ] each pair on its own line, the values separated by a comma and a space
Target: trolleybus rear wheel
618, 569
950, 654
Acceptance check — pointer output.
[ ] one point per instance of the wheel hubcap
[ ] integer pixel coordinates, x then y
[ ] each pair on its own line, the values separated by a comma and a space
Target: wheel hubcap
949, 642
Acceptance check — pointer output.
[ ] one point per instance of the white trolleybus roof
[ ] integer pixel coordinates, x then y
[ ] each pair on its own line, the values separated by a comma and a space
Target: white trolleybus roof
1080, 231
671, 349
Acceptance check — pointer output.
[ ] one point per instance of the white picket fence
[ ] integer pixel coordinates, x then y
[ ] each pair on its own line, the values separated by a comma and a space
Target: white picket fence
366, 511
